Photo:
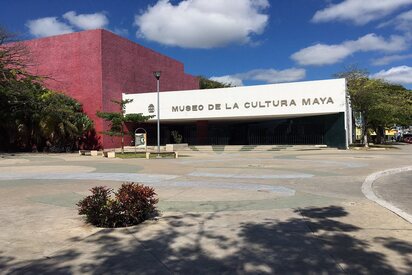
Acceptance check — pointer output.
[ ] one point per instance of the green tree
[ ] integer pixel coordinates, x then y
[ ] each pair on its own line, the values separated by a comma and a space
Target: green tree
14, 58
392, 107
380, 104
39, 117
205, 83
356, 81
117, 120
62, 120
30, 114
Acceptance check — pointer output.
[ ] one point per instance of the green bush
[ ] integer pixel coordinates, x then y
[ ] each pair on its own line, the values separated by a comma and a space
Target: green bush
177, 137
130, 205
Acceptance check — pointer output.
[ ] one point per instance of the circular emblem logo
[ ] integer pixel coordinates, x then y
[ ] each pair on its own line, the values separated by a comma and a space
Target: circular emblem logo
151, 109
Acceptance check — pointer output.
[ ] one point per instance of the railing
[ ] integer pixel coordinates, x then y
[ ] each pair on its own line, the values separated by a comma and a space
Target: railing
218, 140
259, 140
286, 139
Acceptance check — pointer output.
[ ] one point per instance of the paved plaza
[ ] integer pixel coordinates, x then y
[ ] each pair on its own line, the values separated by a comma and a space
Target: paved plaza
282, 212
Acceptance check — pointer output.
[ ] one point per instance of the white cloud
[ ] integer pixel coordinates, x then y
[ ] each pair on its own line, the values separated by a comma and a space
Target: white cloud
322, 54
229, 80
401, 75
372, 42
402, 22
390, 58
274, 76
91, 21
264, 75
203, 23
121, 31
47, 26
359, 11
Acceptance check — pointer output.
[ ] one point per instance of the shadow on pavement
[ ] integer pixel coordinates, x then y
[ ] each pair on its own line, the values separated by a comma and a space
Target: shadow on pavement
317, 243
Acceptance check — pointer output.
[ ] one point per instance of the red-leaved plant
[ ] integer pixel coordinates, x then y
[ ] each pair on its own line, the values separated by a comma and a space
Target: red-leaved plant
130, 205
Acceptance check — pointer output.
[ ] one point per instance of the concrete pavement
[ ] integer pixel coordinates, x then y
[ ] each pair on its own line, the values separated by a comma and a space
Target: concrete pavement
239, 212
396, 190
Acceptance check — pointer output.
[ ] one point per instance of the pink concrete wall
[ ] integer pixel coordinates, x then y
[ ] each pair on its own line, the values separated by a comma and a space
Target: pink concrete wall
71, 64
97, 66
128, 68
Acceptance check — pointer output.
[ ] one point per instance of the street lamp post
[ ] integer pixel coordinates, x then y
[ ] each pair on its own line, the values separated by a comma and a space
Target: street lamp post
157, 76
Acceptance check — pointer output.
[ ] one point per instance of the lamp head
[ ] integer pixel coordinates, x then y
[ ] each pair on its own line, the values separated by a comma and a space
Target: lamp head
157, 74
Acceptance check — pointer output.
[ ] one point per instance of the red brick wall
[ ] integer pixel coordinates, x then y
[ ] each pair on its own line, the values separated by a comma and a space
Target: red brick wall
128, 68
97, 66
71, 64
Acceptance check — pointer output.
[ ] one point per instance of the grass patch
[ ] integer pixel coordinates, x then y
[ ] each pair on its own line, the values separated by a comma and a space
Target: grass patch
193, 148
388, 146
218, 148
162, 155
142, 155
131, 155
248, 147
373, 146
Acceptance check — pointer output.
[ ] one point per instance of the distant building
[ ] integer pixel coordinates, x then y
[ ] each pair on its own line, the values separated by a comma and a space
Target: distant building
97, 66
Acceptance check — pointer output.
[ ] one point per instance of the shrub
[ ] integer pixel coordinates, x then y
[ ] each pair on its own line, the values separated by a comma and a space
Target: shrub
130, 205
177, 137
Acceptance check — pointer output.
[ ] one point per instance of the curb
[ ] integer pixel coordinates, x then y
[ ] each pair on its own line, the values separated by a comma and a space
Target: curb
368, 191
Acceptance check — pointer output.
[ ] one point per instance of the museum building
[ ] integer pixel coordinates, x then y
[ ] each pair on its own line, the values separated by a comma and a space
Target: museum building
98, 66
312, 112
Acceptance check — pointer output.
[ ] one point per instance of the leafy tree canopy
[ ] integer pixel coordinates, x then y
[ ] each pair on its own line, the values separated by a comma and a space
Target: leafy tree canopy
381, 104
32, 116
118, 119
205, 83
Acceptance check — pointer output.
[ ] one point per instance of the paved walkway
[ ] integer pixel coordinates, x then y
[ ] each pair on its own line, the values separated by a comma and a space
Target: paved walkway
396, 189
239, 212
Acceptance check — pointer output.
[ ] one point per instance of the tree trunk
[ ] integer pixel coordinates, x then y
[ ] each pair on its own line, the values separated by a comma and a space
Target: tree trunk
380, 132
365, 132
122, 140
365, 140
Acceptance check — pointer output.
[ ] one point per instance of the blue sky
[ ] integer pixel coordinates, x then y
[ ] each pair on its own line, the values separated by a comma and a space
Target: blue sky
242, 41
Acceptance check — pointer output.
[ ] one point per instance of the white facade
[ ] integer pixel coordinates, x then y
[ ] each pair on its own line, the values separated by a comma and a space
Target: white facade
285, 100
263, 101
